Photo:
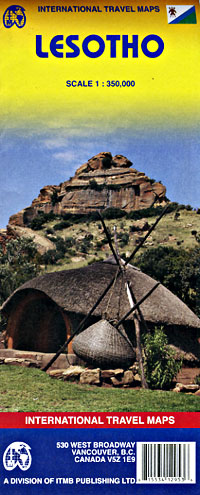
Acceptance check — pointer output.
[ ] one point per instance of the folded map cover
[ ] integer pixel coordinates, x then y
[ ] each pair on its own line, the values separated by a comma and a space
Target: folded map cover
99, 274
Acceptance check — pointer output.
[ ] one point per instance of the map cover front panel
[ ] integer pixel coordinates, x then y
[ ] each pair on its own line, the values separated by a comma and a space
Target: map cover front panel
87, 88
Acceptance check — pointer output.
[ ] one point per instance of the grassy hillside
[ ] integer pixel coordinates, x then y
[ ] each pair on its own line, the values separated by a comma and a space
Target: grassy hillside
83, 241
24, 389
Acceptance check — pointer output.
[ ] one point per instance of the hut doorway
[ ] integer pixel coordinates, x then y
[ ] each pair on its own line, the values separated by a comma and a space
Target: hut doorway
39, 326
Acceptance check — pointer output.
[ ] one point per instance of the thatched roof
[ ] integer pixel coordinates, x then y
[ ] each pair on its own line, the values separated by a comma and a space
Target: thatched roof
77, 290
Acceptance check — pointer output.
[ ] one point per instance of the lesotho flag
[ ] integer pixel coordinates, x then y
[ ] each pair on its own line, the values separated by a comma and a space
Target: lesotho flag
181, 14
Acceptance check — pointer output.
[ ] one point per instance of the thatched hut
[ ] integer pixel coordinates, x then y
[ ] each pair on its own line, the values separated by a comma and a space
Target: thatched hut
47, 309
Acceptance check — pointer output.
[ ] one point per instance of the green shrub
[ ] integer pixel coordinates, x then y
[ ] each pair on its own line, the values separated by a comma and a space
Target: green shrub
112, 213
114, 187
69, 242
123, 239
48, 216
155, 211
67, 216
51, 257
85, 244
95, 186
64, 224
54, 198
62, 250
40, 219
37, 223
51, 238
145, 213
93, 216
160, 366
61, 246
101, 243
79, 218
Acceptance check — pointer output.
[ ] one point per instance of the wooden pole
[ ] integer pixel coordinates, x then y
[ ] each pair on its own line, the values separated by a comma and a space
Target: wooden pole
147, 235
116, 243
132, 300
136, 306
109, 240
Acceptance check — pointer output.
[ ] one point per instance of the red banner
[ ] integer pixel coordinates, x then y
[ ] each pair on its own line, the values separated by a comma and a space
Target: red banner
100, 420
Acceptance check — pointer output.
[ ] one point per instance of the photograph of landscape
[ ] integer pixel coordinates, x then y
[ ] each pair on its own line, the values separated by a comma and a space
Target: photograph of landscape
99, 209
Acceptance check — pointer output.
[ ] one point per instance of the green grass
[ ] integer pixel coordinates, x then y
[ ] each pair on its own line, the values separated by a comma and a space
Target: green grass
23, 389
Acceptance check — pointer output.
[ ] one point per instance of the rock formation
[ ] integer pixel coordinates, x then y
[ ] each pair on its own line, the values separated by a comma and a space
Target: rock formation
104, 181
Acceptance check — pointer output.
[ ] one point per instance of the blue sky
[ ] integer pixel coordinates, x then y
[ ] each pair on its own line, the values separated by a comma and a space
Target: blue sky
30, 160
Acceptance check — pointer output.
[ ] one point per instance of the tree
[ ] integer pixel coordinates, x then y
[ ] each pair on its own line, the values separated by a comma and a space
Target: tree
19, 262
190, 275
177, 269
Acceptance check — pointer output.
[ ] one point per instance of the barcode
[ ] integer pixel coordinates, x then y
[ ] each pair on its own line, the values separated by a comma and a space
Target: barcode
171, 462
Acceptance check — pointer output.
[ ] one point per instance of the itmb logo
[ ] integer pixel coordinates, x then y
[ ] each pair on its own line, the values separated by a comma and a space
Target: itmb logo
17, 454
14, 15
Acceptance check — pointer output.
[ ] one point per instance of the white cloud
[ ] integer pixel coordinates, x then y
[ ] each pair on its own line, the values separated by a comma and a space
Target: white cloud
54, 142
67, 156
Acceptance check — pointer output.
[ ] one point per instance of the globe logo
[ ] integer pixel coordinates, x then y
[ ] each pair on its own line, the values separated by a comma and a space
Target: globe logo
15, 14
17, 454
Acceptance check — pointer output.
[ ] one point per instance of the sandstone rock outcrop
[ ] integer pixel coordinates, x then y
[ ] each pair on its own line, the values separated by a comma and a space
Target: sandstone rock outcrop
42, 243
104, 181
